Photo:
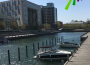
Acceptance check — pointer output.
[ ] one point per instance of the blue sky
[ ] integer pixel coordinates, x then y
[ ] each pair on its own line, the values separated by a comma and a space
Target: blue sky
81, 11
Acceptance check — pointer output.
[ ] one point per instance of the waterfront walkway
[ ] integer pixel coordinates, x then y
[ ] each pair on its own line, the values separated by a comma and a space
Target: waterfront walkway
82, 56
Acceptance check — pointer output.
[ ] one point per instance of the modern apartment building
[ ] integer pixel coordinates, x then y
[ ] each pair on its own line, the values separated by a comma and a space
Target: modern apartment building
26, 12
49, 15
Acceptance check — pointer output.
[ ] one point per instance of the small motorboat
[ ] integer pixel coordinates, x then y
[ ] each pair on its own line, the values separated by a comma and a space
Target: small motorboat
51, 53
68, 44
2, 39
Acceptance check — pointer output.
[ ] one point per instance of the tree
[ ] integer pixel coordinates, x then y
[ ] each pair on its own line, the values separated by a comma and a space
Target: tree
23, 26
75, 21
47, 26
2, 25
58, 24
14, 26
88, 21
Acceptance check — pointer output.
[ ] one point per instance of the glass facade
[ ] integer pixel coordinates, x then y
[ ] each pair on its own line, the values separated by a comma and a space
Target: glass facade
50, 5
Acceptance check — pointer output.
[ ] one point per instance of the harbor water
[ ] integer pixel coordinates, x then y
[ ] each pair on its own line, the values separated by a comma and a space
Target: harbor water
73, 37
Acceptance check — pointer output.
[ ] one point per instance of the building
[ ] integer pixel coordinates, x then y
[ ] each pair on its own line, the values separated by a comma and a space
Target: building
49, 15
26, 12
8, 21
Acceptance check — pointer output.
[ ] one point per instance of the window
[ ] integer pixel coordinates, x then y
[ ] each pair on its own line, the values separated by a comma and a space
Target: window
25, 17
18, 11
24, 7
15, 7
15, 3
1, 10
12, 9
15, 13
18, 2
7, 3
12, 3
24, 12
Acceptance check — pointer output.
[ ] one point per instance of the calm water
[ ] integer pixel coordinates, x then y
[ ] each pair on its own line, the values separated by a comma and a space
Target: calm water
13, 47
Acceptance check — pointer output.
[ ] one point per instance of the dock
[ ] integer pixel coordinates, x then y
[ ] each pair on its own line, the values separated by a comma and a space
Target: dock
81, 57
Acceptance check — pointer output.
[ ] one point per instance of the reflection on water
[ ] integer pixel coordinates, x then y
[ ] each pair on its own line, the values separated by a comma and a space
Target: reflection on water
13, 47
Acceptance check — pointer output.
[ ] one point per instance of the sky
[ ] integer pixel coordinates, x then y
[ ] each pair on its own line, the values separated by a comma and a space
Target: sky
81, 11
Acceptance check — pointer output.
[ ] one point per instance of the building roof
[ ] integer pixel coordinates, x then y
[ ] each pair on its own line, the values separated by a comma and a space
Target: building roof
76, 23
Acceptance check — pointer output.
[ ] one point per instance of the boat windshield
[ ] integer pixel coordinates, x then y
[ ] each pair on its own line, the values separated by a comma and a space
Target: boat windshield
44, 50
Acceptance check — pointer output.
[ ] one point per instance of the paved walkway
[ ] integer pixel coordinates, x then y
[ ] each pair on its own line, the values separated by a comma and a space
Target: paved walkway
82, 56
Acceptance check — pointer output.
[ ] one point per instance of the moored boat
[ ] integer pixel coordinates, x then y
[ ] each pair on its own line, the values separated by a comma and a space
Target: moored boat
51, 53
68, 44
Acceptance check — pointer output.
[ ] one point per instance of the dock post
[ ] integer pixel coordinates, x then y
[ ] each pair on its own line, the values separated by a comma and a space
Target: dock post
2, 40
38, 45
26, 51
62, 62
72, 54
19, 53
67, 57
46, 42
33, 49
9, 57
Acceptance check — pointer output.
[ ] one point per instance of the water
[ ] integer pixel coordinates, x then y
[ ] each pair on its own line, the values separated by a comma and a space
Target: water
13, 47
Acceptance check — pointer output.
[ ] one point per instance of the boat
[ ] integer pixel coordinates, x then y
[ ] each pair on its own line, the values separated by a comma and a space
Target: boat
2, 39
68, 44
51, 53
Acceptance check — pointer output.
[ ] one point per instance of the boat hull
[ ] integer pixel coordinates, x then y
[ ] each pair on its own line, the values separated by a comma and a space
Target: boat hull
68, 45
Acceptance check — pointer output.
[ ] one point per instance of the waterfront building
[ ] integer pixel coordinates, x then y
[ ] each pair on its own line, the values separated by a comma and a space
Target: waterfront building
49, 15
7, 21
26, 12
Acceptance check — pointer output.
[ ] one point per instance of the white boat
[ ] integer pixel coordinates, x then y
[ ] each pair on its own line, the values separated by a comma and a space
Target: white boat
51, 53
67, 44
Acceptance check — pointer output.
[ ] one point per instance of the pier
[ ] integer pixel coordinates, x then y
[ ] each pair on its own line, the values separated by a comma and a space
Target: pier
82, 57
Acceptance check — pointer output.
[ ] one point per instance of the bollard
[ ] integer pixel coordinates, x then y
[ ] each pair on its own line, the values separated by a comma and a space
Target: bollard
72, 54
67, 57
18, 53
62, 62
46, 42
26, 52
38, 45
9, 57
33, 49
2, 40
